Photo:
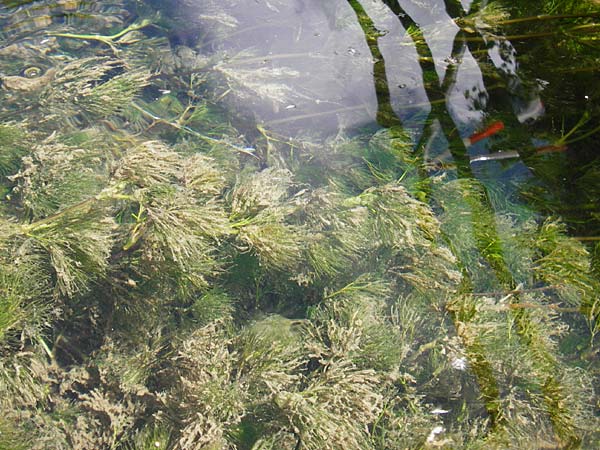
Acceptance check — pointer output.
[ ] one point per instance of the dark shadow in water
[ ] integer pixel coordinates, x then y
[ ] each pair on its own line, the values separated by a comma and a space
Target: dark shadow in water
386, 116
476, 196
482, 212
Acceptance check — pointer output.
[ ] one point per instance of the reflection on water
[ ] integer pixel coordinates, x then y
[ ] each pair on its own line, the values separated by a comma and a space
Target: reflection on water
296, 64
299, 224
432, 68
301, 66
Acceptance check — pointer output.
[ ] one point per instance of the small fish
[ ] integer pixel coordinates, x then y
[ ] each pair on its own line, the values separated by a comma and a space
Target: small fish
491, 129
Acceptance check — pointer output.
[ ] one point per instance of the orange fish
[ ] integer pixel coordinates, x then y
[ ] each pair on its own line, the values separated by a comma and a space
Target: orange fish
492, 129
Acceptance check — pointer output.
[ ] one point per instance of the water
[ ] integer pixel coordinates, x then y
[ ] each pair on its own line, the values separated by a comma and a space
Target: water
299, 224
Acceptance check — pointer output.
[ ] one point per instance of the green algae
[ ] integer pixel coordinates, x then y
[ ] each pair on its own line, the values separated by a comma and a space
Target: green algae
168, 283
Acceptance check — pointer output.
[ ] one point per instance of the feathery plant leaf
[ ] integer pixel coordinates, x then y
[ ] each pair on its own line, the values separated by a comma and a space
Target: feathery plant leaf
151, 437
258, 191
409, 329
269, 355
56, 176
354, 323
150, 163
335, 408
178, 216
212, 306
98, 86
24, 304
564, 263
208, 395
278, 245
486, 18
399, 220
14, 144
77, 242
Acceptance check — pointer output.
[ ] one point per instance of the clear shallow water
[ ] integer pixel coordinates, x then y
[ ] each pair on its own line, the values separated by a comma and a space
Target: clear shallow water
318, 62
299, 224
318, 66
310, 69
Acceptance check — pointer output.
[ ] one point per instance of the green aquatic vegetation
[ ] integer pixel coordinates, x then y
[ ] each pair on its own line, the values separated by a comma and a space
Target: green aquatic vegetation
270, 355
164, 286
77, 243
172, 226
334, 397
261, 216
392, 154
529, 331
565, 259
56, 176
103, 402
24, 305
262, 370
150, 438
214, 305
323, 417
40, 399
494, 15
149, 164
335, 249
258, 191
20, 381
521, 259
339, 162
73, 245
334, 254
488, 18
579, 211
454, 224
394, 212
278, 245
564, 264
170, 220
207, 398
358, 312
13, 146
90, 86
11, 438
153, 53
553, 7
524, 349
429, 271
508, 217
113, 40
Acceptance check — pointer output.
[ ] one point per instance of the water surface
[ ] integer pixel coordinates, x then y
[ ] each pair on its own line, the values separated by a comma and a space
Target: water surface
299, 224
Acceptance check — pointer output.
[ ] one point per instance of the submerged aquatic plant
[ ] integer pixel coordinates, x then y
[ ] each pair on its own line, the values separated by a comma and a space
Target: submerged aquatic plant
488, 18
14, 146
56, 175
165, 284
111, 40
100, 87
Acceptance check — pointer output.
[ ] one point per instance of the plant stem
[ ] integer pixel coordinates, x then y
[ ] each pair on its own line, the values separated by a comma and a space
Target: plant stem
513, 37
513, 292
545, 17
185, 128
85, 203
317, 114
108, 40
584, 136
